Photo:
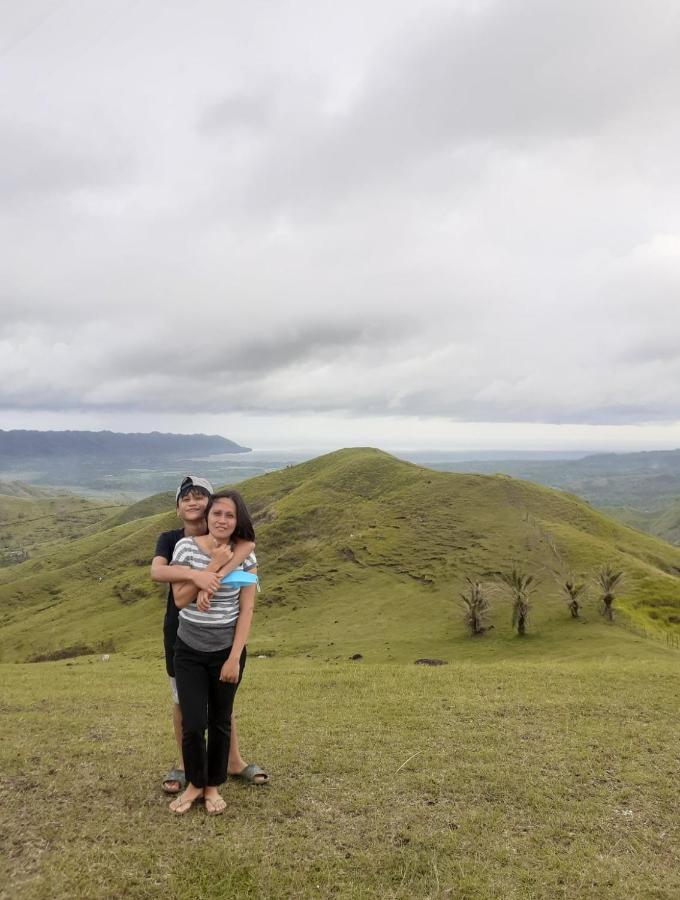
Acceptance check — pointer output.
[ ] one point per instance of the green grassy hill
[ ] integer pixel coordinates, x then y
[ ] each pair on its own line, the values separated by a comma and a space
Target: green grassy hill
150, 506
34, 521
25, 490
359, 552
664, 522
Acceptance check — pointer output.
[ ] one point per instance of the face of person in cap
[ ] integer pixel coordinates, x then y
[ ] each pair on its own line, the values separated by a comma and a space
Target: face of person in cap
192, 498
191, 505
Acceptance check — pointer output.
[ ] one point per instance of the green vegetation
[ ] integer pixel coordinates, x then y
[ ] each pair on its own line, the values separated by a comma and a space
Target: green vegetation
150, 506
476, 606
34, 521
517, 779
643, 481
608, 581
359, 552
533, 768
663, 522
521, 587
574, 593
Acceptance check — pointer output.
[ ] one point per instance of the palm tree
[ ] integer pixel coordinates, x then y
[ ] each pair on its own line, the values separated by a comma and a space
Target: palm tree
608, 580
573, 593
476, 607
521, 587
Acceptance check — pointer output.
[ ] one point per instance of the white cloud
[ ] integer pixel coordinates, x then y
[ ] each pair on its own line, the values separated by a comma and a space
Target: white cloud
461, 214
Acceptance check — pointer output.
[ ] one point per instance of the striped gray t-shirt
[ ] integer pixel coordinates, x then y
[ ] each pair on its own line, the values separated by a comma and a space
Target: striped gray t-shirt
214, 629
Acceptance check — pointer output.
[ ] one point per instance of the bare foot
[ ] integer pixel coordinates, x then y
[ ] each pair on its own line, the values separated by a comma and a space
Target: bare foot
185, 801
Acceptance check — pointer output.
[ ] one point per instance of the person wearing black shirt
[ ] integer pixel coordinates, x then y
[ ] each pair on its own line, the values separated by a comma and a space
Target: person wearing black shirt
192, 498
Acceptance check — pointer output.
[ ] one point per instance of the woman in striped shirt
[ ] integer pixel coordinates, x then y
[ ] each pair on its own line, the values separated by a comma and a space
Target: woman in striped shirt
210, 652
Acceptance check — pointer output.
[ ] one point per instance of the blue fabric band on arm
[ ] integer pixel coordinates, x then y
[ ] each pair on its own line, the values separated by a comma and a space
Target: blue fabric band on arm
239, 579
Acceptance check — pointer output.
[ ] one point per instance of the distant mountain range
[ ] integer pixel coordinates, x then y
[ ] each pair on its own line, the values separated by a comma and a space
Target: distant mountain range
645, 480
28, 445
109, 464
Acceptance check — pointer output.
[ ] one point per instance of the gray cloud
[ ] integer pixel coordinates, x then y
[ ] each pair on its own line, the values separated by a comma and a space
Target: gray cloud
518, 73
39, 164
244, 113
466, 214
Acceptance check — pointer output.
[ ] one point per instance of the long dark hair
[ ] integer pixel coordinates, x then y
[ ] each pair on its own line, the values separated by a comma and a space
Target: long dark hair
244, 530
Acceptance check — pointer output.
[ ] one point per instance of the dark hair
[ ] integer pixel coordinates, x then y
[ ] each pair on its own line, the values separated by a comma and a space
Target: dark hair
244, 530
192, 489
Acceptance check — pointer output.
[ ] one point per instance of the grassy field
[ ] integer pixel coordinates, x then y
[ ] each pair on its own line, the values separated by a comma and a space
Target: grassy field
517, 777
542, 767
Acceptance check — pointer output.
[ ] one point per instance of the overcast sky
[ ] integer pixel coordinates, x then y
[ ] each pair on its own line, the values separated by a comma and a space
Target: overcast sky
383, 222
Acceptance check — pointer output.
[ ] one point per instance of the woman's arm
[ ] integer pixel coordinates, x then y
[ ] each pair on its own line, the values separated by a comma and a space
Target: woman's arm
230, 669
223, 562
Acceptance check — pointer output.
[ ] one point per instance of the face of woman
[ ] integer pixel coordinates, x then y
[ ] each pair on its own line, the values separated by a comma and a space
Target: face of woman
222, 519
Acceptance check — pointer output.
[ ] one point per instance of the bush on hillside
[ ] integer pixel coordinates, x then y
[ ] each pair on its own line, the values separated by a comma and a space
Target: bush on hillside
608, 580
521, 588
573, 592
476, 607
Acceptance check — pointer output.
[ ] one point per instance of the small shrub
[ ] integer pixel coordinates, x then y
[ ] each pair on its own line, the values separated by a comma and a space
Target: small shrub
573, 592
521, 588
476, 607
608, 580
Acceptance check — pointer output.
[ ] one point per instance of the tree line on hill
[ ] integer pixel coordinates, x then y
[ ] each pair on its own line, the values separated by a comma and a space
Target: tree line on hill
520, 586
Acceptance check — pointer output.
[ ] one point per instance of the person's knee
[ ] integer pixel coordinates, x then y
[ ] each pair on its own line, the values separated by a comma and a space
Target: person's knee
221, 725
194, 722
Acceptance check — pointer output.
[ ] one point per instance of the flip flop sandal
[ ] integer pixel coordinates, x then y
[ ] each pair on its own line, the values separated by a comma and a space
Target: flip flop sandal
178, 776
251, 774
180, 807
214, 806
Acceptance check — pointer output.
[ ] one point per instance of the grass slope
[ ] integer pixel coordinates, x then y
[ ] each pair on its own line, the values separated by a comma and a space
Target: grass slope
359, 552
33, 521
150, 506
25, 490
516, 780
664, 523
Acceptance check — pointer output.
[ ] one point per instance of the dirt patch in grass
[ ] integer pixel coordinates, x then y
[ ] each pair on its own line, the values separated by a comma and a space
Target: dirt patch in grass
73, 652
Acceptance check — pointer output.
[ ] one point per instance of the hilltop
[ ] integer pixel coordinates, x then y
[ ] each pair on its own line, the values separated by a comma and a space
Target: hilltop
359, 552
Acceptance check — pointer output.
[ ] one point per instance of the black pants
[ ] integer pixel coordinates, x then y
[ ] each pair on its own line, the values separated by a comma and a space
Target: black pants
206, 703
